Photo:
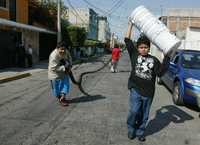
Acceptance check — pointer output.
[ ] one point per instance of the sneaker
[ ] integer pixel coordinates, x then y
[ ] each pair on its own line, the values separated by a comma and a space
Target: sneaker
112, 69
141, 138
130, 136
63, 102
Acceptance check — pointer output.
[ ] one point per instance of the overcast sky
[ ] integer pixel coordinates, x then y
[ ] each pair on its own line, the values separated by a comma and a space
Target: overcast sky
119, 10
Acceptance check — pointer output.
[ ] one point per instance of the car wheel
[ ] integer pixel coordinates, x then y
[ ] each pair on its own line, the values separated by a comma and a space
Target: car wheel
159, 81
176, 96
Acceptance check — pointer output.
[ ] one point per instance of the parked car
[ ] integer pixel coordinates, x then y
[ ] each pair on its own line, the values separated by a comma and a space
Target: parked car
183, 77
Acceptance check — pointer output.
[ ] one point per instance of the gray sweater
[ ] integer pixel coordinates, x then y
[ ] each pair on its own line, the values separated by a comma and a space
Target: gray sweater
56, 70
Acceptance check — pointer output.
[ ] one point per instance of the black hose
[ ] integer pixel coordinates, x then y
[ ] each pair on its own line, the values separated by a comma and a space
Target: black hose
79, 82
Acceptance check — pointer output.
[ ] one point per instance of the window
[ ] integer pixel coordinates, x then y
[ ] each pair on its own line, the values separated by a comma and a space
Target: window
191, 60
176, 59
3, 3
12, 7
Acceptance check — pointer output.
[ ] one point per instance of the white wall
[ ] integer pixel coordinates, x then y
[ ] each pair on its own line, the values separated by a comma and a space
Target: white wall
192, 39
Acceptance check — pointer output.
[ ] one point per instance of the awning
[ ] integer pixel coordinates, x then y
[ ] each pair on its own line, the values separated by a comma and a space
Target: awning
24, 26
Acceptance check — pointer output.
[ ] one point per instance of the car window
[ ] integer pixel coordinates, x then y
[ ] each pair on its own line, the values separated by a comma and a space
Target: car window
175, 60
191, 60
172, 56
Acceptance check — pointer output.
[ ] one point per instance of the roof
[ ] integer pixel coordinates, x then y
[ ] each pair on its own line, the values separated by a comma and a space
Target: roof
24, 26
183, 12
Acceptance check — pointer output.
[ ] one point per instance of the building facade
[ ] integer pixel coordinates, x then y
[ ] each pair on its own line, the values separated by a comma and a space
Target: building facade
16, 34
4, 9
178, 20
87, 18
103, 30
15, 10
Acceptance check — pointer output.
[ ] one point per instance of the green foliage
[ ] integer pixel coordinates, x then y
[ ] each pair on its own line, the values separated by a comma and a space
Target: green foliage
44, 13
65, 33
90, 43
77, 35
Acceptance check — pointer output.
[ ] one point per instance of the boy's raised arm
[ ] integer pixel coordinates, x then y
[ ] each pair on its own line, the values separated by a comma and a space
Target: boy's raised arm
129, 31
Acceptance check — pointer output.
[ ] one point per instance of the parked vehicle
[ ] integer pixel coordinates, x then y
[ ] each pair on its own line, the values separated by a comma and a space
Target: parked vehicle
183, 77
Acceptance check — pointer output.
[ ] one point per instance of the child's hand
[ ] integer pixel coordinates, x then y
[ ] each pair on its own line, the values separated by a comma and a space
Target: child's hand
67, 70
168, 54
130, 20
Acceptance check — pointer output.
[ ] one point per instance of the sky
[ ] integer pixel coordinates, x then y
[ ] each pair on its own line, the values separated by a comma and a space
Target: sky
117, 11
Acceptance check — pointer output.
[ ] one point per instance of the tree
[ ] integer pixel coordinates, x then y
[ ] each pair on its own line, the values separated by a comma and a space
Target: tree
45, 13
77, 35
65, 33
91, 43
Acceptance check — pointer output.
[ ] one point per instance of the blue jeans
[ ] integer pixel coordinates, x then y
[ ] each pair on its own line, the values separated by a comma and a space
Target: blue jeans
139, 108
60, 86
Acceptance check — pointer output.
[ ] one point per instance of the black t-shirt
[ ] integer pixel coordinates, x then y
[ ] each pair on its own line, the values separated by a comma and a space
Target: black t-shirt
144, 70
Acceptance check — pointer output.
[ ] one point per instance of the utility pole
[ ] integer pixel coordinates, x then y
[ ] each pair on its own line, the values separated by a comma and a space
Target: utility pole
112, 41
59, 21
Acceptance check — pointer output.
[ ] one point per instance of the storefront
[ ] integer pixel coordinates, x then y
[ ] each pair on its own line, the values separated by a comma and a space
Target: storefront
15, 38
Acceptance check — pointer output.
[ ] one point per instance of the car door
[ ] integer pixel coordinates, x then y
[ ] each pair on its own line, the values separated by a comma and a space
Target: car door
173, 71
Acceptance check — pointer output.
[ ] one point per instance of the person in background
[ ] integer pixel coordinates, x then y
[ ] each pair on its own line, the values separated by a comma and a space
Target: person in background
29, 55
141, 84
21, 55
60, 63
116, 53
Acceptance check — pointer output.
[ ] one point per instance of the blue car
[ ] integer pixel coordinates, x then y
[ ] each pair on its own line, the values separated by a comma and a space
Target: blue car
183, 77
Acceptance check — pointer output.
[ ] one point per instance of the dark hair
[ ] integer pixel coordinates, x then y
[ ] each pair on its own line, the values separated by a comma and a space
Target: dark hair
143, 40
62, 44
116, 45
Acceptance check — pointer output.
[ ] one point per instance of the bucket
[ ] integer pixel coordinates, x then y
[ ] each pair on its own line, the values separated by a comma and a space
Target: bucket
154, 29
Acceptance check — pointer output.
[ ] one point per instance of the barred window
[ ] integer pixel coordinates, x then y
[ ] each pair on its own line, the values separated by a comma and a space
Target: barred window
3, 3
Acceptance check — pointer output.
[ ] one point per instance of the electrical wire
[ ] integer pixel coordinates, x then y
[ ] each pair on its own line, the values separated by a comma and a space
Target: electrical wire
106, 13
69, 2
77, 14
115, 7
103, 11
118, 4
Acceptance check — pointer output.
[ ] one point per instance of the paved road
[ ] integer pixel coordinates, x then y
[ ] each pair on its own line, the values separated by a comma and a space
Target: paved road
31, 116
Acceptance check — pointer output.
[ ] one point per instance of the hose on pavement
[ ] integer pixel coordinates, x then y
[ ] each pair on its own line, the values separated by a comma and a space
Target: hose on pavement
79, 82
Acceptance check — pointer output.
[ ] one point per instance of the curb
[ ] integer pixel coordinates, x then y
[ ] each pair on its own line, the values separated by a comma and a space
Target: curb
15, 77
23, 75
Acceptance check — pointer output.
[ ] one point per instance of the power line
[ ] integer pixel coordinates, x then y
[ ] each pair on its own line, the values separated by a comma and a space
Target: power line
69, 2
103, 11
109, 12
92, 26
116, 6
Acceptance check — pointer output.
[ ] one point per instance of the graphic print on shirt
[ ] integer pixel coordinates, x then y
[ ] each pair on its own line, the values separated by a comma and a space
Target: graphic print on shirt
144, 66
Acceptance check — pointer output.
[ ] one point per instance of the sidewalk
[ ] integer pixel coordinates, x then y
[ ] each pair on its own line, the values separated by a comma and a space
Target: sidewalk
10, 74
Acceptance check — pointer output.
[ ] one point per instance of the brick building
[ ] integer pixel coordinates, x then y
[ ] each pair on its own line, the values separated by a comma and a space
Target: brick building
178, 20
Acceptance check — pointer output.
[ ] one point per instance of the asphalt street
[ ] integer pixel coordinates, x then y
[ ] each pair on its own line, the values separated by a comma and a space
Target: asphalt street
30, 115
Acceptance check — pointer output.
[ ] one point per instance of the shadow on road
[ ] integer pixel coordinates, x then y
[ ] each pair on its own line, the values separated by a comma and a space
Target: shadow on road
164, 116
192, 107
83, 99
124, 71
121, 71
